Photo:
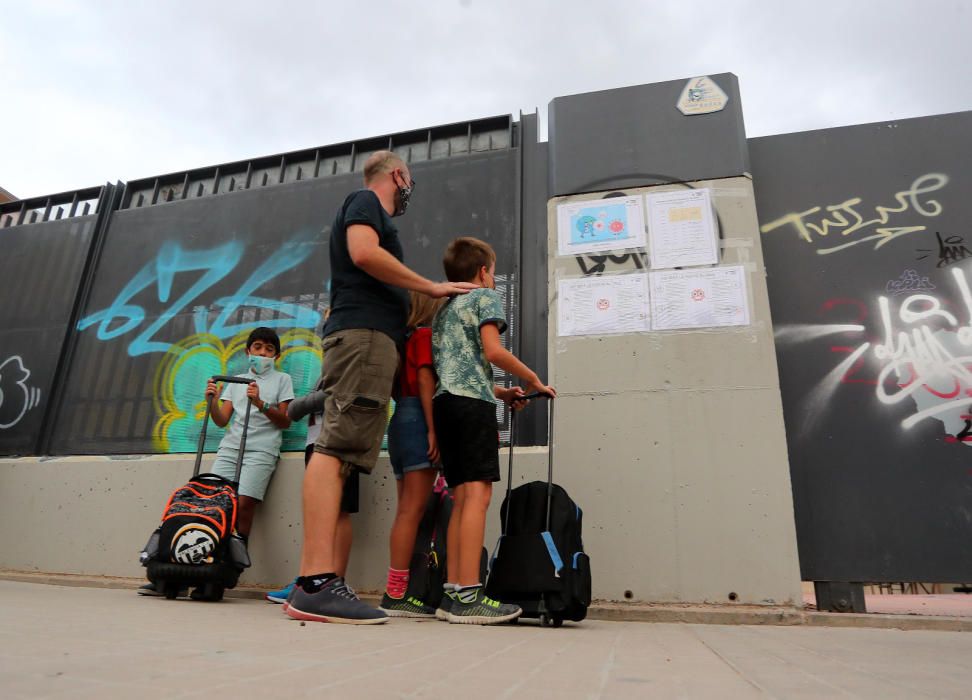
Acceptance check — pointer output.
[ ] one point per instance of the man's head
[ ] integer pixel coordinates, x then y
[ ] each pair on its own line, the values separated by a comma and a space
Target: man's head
469, 259
388, 176
264, 342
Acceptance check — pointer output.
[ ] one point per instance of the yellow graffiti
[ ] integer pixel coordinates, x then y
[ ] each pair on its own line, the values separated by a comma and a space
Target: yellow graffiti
845, 219
181, 375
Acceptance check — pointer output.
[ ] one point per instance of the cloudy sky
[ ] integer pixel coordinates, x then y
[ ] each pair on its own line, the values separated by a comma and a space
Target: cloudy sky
104, 90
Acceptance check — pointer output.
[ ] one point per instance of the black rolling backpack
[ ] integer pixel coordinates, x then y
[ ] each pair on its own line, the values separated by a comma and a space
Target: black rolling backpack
539, 562
196, 545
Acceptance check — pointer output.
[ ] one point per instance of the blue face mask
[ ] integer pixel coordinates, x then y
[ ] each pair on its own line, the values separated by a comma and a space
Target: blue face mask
260, 364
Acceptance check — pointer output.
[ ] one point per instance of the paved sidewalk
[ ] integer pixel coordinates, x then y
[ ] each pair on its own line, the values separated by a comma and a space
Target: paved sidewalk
73, 642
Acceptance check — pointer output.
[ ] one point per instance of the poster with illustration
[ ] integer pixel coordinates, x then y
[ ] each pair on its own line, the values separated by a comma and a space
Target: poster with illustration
616, 223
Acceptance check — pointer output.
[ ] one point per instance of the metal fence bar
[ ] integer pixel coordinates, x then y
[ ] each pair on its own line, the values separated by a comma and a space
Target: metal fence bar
112, 197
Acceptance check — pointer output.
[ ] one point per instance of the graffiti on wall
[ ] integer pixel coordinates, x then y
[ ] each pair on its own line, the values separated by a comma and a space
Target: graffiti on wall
17, 397
220, 328
180, 381
836, 227
123, 316
913, 351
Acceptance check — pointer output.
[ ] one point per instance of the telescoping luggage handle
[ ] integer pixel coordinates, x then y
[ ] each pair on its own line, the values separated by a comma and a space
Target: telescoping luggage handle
550, 453
202, 433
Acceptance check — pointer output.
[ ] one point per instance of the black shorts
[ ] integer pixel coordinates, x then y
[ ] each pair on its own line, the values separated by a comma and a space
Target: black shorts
349, 496
468, 439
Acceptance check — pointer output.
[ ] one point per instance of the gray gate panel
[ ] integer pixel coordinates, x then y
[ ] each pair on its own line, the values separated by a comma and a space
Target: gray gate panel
636, 136
41, 268
876, 410
178, 281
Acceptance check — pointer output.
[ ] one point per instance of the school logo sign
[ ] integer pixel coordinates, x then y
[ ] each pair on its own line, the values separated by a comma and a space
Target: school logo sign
701, 96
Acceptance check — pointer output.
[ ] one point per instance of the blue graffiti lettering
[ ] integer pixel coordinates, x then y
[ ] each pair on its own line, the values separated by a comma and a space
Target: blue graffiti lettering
215, 263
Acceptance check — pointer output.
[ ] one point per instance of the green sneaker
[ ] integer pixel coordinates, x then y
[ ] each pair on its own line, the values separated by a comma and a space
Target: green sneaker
445, 605
483, 610
407, 606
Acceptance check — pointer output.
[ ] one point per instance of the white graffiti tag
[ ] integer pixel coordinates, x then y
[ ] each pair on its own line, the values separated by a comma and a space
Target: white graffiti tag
922, 352
16, 398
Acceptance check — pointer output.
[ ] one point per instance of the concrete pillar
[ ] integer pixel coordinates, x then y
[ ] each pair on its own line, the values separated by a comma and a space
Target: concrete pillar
672, 442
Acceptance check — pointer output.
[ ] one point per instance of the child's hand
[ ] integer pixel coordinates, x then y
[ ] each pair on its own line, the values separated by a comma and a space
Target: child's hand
510, 397
543, 389
253, 392
433, 448
212, 390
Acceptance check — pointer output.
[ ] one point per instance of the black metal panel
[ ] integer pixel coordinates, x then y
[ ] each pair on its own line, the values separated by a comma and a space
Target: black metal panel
876, 404
533, 308
178, 281
40, 268
614, 139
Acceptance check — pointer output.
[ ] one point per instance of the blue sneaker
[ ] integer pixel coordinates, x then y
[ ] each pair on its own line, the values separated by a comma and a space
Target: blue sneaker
280, 596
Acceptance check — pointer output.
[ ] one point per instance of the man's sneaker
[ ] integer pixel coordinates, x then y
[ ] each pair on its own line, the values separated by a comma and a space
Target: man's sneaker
281, 595
483, 610
445, 606
407, 606
335, 602
152, 590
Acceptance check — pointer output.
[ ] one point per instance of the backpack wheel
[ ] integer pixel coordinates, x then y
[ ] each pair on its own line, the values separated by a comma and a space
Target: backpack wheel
558, 622
544, 620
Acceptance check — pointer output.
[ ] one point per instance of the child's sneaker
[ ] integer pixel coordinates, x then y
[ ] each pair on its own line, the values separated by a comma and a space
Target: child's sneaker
483, 610
335, 602
406, 606
445, 606
281, 595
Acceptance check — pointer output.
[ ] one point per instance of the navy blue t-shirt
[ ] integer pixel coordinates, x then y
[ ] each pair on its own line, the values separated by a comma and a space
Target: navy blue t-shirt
358, 300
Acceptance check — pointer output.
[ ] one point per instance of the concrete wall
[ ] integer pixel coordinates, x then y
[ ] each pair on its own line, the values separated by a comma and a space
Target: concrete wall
673, 442
92, 515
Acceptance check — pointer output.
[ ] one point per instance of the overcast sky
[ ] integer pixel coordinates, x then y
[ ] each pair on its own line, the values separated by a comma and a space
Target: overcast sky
103, 90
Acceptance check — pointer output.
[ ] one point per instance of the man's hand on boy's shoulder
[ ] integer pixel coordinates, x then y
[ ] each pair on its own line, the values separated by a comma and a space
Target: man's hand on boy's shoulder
448, 289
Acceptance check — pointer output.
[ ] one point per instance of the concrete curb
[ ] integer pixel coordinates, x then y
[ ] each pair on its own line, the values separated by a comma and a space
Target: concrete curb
604, 610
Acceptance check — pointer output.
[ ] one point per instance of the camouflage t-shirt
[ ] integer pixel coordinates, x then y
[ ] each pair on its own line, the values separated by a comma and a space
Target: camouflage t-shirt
457, 347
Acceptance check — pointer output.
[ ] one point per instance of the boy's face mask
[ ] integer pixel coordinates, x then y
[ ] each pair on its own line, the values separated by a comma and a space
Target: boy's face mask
260, 364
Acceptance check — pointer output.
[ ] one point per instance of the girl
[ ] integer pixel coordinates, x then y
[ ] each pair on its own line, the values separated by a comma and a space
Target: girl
414, 453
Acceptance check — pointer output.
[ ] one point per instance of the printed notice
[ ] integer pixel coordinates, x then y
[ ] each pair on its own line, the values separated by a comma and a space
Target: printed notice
603, 305
681, 229
602, 224
699, 298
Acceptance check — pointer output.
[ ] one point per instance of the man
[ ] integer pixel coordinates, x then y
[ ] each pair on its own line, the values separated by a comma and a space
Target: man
369, 306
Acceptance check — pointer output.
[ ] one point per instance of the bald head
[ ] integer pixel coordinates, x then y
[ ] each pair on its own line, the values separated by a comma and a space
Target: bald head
381, 162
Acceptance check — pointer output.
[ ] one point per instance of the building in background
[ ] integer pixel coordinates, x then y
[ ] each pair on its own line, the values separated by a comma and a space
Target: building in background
6, 196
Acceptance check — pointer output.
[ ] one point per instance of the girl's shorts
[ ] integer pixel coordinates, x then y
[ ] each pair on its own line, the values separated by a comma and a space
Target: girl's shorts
408, 437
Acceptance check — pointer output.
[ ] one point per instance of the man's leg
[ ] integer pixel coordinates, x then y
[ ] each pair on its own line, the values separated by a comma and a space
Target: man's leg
322, 506
342, 544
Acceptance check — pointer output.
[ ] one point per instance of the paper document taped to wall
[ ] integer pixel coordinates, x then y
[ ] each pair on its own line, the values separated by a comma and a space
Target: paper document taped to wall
701, 298
603, 305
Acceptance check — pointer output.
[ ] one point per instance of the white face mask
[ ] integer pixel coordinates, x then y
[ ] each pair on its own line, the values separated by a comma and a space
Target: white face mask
260, 364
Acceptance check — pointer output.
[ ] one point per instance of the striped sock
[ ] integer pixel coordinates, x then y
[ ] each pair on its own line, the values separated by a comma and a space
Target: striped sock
467, 594
397, 583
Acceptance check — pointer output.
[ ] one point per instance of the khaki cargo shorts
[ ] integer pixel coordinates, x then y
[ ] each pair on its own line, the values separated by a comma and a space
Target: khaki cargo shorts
358, 371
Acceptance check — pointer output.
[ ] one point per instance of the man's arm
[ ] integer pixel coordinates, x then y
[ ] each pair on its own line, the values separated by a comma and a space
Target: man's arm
379, 263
